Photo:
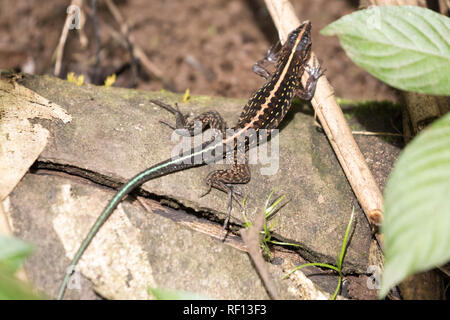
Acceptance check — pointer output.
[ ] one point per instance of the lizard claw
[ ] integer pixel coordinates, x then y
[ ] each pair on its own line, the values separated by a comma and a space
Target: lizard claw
180, 119
315, 71
167, 124
207, 191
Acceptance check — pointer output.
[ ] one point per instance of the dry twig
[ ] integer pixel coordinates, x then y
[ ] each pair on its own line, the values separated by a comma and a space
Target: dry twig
135, 49
63, 38
125, 31
251, 239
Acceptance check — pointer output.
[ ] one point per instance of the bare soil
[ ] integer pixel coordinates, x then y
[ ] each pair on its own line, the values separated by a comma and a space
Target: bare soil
208, 47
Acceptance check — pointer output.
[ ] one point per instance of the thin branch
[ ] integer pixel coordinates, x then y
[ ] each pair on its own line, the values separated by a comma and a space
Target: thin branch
98, 41
251, 239
63, 38
125, 31
128, 40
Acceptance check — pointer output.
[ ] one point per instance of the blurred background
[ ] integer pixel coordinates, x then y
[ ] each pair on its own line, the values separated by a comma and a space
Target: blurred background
206, 46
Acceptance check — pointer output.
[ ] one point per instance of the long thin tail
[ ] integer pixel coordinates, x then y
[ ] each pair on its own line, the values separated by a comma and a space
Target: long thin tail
158, 170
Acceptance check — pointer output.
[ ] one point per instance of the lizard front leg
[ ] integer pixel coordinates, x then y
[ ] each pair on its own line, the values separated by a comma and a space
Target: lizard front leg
271, 57
210, 119
314, 72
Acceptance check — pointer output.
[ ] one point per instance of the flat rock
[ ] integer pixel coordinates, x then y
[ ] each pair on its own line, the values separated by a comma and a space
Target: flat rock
134, 250
115, 133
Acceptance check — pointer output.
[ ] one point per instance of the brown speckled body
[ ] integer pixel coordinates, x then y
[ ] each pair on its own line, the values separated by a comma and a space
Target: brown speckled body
265, 110
268, 106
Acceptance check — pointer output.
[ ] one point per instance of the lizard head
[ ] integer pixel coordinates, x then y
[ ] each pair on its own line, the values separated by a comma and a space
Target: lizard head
300, 40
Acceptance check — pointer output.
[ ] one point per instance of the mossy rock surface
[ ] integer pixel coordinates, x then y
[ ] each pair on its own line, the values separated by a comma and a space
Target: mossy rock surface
116, 133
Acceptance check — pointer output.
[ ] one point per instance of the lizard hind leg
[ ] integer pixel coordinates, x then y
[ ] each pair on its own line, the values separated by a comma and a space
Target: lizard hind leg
224, 180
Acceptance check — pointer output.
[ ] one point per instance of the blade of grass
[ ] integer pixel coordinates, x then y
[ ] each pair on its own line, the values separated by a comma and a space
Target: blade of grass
346, 236
339, 261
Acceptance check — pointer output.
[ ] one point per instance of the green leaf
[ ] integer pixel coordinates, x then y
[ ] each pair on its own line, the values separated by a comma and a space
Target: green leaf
166, 294
13, 252
404, 46
416, 223
13, 289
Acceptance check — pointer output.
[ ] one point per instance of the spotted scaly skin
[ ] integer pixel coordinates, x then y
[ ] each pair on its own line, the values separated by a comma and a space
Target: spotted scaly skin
270, 104
265, 110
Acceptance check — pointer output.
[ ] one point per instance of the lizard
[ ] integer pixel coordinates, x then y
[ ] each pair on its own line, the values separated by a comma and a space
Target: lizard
265, 110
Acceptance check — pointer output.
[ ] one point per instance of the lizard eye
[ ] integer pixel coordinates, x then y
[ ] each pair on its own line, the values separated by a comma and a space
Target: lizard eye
305, 40
292, 38
304, 43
